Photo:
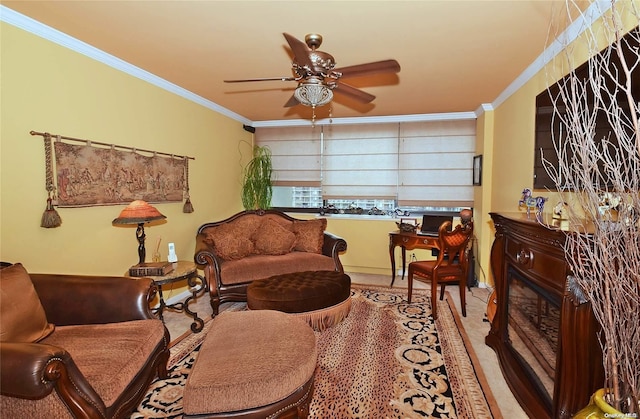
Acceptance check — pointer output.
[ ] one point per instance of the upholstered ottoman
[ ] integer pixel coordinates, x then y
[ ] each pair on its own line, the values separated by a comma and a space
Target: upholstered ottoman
322, 298
253, 364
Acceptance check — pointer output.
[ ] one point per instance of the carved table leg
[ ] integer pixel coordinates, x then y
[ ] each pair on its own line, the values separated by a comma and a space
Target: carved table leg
198, 323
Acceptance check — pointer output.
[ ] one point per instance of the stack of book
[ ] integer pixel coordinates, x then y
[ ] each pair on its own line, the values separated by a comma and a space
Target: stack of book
151, 269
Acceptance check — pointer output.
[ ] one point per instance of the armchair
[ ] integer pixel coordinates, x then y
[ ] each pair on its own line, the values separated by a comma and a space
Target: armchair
96, 362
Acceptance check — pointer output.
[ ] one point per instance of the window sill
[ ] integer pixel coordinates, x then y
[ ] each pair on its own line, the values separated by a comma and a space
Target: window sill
359, 217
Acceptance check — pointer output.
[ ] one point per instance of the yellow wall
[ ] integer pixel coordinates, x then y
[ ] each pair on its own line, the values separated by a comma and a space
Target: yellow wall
513, 155
514, 122
514, 131
56, 90
46, 87
367, 244
483, 228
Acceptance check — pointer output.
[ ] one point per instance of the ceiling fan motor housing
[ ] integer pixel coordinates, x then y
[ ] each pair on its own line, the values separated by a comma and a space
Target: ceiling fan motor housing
323, 64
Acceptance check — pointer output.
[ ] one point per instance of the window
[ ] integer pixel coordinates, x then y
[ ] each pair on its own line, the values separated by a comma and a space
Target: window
436, 163
360, 161
296, 197
295, 153
421, 165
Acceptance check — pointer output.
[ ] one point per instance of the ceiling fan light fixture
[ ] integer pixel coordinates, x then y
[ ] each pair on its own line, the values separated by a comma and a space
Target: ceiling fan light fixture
313, 94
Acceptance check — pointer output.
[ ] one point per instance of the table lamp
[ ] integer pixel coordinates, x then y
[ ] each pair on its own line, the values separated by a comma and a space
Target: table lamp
139, 212
465, 216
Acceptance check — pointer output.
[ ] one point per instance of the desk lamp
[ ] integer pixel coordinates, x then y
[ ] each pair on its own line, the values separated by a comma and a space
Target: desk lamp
139, 212
465, 216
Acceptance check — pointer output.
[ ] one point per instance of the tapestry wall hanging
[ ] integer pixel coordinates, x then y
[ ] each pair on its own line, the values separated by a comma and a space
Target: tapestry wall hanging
96, 174
87, 175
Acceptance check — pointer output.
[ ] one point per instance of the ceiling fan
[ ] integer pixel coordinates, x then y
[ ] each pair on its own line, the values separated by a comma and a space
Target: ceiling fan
317, 77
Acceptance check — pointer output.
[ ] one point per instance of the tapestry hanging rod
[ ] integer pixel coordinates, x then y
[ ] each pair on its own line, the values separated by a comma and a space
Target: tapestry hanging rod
62, 137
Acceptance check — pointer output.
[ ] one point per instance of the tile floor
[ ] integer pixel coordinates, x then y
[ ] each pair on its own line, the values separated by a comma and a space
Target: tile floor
475, 325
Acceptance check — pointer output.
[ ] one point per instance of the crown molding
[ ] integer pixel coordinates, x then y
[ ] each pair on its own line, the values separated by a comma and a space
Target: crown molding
485, 107
594, 12
575, 29
368, 119
39, 29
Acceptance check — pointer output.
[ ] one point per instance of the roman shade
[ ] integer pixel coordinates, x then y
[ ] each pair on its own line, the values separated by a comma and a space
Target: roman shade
424, 163
295, 153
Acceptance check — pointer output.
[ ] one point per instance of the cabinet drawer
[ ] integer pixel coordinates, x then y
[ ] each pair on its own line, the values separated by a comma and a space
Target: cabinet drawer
537, 263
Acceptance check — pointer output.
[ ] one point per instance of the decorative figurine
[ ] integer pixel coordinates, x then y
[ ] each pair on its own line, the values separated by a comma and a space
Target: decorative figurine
529, 201
559, 211
408, 225
608, 206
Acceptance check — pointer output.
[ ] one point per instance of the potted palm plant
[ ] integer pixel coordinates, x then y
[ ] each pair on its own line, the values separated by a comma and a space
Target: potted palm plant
257, 188
597, 144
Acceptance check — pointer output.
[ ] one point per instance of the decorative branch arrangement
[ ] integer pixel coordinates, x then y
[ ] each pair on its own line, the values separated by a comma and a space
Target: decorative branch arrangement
86, 175
597, 142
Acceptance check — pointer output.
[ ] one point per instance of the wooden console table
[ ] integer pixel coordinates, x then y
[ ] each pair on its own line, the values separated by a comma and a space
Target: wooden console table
544, 333
407, 241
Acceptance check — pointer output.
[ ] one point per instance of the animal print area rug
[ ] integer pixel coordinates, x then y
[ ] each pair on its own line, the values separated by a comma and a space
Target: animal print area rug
387, 359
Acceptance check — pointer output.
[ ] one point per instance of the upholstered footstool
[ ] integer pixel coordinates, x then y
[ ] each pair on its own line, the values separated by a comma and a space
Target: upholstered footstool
322, 298
253, 364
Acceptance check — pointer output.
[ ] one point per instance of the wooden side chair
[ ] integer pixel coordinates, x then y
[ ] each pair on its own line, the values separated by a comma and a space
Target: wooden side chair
451, 266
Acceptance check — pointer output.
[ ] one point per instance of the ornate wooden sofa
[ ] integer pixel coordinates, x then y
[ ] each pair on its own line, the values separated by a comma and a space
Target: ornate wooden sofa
258, 244
77, 346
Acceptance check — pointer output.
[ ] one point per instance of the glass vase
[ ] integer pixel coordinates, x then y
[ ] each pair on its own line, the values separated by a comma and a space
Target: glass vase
598, 408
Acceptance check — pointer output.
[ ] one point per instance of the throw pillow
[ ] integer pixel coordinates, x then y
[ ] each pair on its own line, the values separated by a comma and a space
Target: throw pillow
309, 235
230, 242
249, 223
22, 318
271, 238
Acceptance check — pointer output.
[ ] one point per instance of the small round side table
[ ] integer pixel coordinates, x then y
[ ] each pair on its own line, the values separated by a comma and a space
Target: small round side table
182, 270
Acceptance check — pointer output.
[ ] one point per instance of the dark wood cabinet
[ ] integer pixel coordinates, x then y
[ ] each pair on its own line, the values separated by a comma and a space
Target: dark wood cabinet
544, 332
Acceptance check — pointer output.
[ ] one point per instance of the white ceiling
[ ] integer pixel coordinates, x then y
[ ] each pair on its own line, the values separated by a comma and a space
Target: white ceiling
454, 55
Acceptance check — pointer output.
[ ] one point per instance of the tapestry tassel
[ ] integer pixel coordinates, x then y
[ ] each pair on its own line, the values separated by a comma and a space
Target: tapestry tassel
188, 206
50, 217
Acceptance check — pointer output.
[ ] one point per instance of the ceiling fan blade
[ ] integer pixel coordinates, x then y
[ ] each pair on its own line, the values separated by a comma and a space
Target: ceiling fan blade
300, 51
377, 67
353, 93
262, 79
291, 102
